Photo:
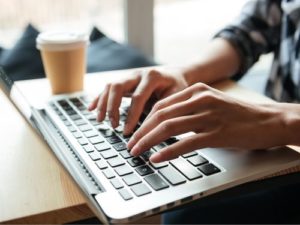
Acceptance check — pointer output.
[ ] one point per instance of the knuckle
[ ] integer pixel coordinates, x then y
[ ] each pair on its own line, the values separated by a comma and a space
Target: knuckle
208, 97
153, 74
159, 105
117, 86
199, 87
166, 127
160, 116
137, 97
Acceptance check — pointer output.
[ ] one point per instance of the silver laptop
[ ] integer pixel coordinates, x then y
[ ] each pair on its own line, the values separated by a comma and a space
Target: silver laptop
121, 188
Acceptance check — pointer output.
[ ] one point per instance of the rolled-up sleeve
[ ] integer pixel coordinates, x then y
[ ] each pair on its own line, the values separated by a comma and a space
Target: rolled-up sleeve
256, 31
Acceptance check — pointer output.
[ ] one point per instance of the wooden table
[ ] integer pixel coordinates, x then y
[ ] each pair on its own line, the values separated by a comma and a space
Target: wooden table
35, 188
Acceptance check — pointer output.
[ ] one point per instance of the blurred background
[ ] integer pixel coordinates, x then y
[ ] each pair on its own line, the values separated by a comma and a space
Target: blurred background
182, 28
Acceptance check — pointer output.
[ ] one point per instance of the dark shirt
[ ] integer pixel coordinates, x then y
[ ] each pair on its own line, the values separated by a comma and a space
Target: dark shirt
270, 26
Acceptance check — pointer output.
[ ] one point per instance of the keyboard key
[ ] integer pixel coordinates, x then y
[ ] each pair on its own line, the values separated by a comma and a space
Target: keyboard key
187, 155
108, 173
125, 154
136, 161
146, 155
95, 156
80, 122
75, 117
209, 169
119, 129
102, 146
131, 179
159, 147
120, 146
113, 139
77, 134
95, 122
67, 123
63, 103
197, 160
89, 148
144, 170
109, 154
72, 128
140, 189
90, 133
105, 131
81, 108
85, 127
125, 194
172, 175
156, 182
123, 118
159, 165
186, 168
70, 111
86, 113
116, 161
123, 170
96, 140
116, 183
171, 140
63, 118
82, 141
75, 101
101, 164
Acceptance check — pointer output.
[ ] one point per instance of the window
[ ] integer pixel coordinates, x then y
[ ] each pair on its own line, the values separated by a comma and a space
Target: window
183, 27
78, 14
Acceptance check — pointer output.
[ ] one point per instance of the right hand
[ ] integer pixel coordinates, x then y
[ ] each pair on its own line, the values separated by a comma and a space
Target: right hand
142, 86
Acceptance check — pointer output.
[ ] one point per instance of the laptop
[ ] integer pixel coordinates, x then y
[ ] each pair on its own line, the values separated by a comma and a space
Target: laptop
121, 188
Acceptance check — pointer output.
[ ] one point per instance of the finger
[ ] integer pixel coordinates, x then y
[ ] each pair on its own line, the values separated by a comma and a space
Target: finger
113, 103
175, 98
157, 119
139, 98
102, 103
188, 107
93, 105
113, 98
166, 130
183, 146
178, 97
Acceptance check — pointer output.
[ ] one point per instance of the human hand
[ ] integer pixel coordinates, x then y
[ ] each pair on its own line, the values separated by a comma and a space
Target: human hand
217, 119
142, 86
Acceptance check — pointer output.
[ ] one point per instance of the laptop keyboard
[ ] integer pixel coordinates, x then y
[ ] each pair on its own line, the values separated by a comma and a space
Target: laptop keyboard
131, 176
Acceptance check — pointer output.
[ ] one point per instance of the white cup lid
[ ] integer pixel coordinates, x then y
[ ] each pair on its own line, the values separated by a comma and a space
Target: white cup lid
61, 40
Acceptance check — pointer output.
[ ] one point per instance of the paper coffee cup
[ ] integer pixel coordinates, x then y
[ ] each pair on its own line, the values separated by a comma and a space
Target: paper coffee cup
64, 59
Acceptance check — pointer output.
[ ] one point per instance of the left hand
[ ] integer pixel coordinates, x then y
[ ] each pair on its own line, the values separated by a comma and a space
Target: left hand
217, 119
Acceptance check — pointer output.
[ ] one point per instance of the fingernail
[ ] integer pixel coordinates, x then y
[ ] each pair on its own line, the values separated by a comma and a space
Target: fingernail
156, 158
90, 107
135, 151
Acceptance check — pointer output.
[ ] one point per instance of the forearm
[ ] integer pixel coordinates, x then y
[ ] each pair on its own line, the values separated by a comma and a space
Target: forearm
291, 118
220, 61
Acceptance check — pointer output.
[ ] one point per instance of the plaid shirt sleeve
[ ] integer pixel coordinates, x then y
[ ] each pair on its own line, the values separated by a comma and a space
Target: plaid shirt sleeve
254, 32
